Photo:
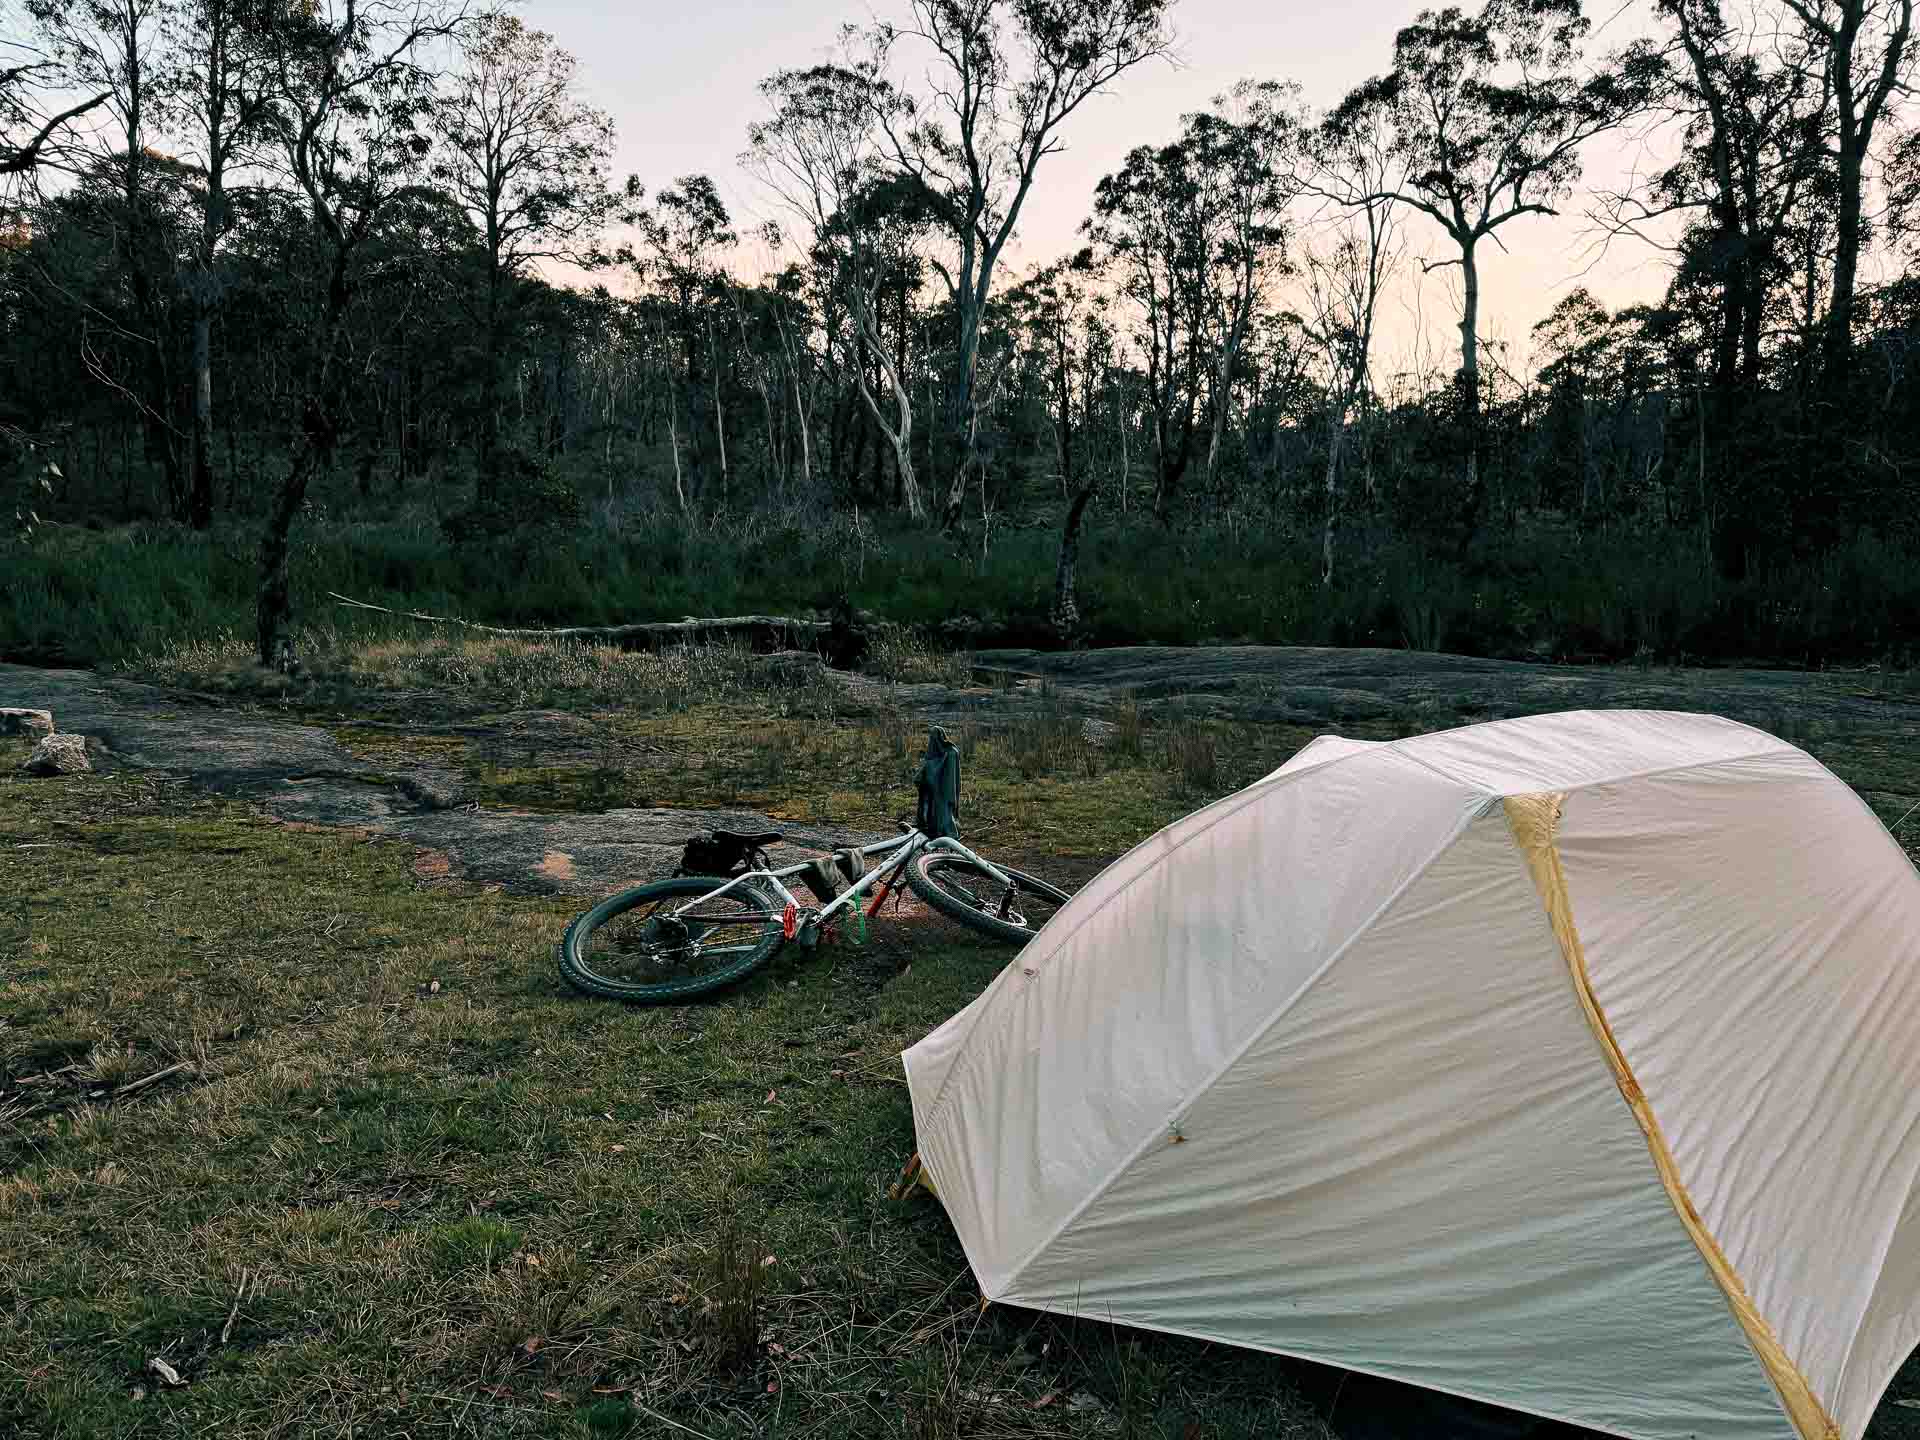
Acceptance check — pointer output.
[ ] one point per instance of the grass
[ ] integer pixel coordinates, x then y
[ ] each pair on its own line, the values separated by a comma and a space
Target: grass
403, 1181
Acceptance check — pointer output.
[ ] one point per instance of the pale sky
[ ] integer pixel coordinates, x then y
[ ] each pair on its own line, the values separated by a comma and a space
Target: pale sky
680, 77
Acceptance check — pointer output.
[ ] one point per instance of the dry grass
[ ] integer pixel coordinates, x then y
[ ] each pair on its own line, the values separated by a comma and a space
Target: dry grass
460, 672
906, 657
1192, 759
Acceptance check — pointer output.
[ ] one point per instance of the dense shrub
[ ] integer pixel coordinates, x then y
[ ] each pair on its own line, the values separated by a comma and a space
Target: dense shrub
77, 596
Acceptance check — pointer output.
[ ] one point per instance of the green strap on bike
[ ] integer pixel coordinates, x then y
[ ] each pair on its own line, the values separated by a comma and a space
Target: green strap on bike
859, 925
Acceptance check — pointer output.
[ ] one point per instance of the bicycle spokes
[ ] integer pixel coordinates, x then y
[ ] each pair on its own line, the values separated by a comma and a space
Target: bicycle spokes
655, 944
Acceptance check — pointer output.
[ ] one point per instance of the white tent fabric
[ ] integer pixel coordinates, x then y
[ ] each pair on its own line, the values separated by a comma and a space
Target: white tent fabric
1570, 1063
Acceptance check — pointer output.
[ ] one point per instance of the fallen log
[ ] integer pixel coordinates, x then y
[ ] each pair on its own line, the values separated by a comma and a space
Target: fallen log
759, 632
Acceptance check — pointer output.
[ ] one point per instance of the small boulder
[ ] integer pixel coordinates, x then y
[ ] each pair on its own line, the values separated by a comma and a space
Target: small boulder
59, 755
17, 721
434, 790
788, 667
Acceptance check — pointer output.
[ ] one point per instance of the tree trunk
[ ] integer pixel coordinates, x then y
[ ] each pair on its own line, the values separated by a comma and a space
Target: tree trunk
489, 466
900, 433
206, 298
273, 606
200, 493
1846, 265
719, 418
673, 442
967, 412
1469, 387
1336, 431
806, 436
1066, 570
1217, 422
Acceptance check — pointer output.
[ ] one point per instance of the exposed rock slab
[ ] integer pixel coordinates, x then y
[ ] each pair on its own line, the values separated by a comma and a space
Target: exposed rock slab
301, 773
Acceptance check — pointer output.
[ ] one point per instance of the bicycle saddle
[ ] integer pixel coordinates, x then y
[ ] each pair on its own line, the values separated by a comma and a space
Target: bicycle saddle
747, 842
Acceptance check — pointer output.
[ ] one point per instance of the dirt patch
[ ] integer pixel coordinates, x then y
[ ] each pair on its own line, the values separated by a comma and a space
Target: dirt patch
433, 865
557, 866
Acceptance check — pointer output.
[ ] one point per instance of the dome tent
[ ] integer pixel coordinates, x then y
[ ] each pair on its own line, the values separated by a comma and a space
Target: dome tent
1570, 1063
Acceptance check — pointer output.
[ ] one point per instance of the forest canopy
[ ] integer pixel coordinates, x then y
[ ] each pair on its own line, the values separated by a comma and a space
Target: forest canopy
297, 296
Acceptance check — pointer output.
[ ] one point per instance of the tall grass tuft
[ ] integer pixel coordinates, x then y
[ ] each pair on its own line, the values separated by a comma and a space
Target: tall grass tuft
731, 1285
1192, 758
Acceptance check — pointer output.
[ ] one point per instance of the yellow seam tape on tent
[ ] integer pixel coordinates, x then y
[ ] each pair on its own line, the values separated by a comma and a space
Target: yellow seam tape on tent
1533, 819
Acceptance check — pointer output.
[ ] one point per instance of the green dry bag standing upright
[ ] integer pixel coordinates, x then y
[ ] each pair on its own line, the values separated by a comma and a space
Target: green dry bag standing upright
938, 781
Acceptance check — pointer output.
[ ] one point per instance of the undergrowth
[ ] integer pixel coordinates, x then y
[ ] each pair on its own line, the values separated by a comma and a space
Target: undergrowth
76, 596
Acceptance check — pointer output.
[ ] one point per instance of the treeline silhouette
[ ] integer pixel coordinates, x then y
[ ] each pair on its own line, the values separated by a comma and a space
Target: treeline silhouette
282, 310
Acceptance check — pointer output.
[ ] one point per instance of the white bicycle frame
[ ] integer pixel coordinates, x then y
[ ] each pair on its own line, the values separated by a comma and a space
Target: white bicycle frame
899, 851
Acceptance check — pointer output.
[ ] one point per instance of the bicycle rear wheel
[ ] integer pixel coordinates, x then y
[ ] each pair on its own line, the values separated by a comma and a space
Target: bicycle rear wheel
634, 947
962, 891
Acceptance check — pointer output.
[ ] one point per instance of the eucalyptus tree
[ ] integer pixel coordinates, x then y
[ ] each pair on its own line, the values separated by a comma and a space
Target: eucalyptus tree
1154, 234
225, 105
38, 109
1484, 116
1197, 234
1342, 282
1754, 119
122, 48
1002, 77
685, 234
526, 157
1061, 315
793, 324
1579, 343
353, 85
1863, 50
1246, 159
819, 152
1352, 167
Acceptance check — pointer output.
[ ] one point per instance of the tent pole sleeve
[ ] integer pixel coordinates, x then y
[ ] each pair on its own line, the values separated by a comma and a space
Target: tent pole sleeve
1533, 820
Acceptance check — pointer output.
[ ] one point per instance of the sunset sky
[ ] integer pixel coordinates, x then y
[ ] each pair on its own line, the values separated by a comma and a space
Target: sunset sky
679, 77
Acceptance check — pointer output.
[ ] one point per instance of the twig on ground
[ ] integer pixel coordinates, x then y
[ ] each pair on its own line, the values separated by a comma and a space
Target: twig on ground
238, 1295
132, 1086
674, 1424
783, 629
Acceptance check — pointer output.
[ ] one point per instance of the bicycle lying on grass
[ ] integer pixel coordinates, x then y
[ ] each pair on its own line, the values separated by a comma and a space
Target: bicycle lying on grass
696, 933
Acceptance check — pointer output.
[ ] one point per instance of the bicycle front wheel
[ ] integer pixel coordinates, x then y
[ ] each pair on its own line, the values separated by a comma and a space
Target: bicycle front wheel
651, 947
962, 891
